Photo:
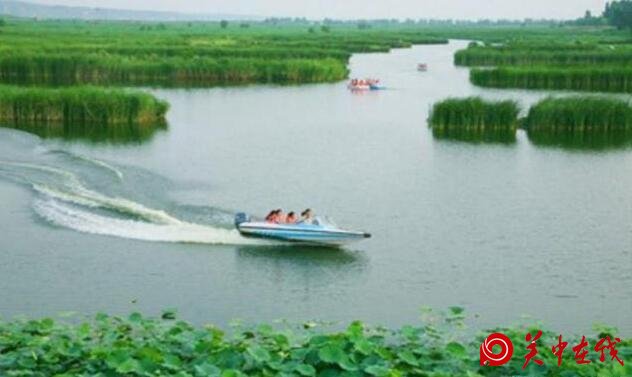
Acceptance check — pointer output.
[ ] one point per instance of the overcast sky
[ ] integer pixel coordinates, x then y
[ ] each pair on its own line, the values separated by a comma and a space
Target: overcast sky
460, 9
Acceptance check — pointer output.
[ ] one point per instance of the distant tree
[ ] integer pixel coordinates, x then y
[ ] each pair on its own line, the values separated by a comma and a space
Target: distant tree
619, 14
223, 24
244, 25
363, 25
325, 29
311, 30
588, 20
2, 22
161, 26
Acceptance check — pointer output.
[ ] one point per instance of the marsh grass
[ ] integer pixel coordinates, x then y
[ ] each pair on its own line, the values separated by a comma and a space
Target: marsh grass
582, 78
584, 141
113, 134
488, 56
49, 69
496, 136
77, 106
202, 55
576, 115
460, 116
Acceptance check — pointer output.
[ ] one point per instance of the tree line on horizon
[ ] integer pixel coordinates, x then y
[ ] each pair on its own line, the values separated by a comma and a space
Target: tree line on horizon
616, 13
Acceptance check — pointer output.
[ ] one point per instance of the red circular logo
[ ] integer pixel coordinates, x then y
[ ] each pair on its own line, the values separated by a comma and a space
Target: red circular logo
488, 357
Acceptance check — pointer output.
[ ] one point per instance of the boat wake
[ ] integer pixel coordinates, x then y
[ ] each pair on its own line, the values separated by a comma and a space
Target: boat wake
65, 198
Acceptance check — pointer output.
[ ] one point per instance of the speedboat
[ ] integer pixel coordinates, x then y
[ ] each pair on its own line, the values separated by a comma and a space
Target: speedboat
354, 87
320, 232
422, 67
366, 84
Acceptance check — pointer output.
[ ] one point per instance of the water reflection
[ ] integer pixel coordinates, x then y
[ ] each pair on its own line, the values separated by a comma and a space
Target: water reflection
306, 256
98, 134
475, 137
598, 141
299, 273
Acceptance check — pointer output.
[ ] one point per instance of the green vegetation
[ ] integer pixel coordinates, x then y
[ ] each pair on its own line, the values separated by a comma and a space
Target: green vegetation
137, 346
185, 54
540, 55
582, 122
79, 106
584, 141
166, 71
474, 119
595, 78
619, 14
579, 115
585, 63
113, 134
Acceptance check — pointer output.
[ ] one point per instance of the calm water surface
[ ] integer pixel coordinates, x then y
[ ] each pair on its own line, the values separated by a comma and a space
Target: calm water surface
144, 222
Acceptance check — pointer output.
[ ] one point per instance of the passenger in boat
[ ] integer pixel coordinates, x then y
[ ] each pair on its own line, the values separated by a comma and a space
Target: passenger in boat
274, 216
307, 217
280, 217
291, 218
270, 216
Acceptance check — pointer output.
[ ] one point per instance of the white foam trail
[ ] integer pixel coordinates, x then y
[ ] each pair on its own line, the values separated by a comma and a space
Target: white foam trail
85, 197
77, 193
93, 161
70, 177
87, 222
67, 202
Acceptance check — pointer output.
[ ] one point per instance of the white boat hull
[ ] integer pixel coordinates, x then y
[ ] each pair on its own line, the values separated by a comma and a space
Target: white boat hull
302, 233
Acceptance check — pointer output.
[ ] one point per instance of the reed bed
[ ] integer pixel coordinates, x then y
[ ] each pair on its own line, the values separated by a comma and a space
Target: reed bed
170, 51
584, 141
574, 115
597, 79
79, 106
185, 55
112, 134
475, 137
481, 56
473, 114
49, 69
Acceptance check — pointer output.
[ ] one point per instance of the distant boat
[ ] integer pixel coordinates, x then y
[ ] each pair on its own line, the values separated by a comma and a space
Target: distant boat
422, 67
366, 84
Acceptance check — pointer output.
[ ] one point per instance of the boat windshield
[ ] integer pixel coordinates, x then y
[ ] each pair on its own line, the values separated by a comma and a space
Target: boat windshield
325, 222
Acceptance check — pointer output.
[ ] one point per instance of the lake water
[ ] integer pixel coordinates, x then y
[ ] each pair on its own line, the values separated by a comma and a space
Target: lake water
144, 222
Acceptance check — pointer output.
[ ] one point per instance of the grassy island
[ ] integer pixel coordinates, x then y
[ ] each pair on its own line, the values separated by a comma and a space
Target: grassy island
556, 54
79, 106
580, 115
579, 78
474, 114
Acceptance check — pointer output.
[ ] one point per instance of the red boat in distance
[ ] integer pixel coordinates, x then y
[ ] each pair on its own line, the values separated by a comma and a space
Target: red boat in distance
364, 84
